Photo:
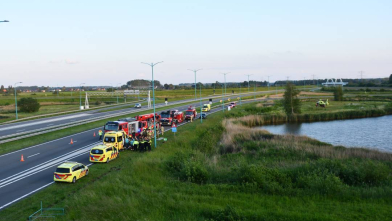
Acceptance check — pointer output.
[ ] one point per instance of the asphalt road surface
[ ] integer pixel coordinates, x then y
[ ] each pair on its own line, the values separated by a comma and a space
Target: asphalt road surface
41, 124
21, 179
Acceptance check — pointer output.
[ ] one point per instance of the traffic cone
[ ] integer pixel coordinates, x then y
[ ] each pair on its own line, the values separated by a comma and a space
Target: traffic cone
94, 134
71, 141
21, 159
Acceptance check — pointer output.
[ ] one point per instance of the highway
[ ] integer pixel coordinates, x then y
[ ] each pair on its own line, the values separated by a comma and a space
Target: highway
31, 126
21, 179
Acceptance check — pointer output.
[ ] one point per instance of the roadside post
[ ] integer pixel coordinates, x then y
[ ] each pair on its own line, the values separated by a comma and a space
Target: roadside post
174, 129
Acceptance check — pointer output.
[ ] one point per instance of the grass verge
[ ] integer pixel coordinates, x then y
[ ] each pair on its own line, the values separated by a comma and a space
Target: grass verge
200, 175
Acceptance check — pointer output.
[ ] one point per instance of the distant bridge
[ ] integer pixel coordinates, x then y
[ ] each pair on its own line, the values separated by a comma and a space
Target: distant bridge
334, 82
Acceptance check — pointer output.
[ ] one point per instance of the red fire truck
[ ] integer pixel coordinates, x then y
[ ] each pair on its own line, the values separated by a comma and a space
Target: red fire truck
131, 126
171, 116
190, 113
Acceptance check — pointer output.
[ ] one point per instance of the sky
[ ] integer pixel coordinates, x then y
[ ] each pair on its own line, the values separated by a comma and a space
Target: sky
66, 43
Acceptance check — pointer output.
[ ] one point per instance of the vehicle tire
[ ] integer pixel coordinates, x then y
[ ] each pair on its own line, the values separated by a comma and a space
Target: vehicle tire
107, 160
86, 172
74, 180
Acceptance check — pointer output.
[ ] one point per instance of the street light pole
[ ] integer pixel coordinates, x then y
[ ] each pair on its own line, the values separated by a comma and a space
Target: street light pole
224, 95
248, 81
80, 96
240, 94
194, 71
153, 97
5, 21
16, 101
117, 93
201, 110
268, 81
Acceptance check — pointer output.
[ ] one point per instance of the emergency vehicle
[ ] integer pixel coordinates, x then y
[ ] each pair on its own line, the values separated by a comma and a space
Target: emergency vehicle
70, 172
190, 113
103, 153
171, 116
206, 107
115, 139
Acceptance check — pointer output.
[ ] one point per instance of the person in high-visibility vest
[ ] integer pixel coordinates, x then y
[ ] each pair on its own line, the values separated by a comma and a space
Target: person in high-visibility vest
100, 134
148, 142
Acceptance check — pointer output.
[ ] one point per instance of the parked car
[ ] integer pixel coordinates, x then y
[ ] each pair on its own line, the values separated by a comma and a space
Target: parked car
70, 172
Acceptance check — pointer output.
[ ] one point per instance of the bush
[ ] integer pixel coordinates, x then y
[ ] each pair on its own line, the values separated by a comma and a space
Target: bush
29, 105
338, 93
268, 179
320, 180
194, 172
208, 139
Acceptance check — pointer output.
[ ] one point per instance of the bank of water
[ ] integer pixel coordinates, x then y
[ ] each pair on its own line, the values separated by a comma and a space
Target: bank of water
374, 133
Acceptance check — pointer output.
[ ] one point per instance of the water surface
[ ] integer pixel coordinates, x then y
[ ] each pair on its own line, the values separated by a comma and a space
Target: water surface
375, 132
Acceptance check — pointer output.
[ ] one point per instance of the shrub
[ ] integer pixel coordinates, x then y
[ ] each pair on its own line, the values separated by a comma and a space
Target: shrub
320, 180
176, 162
270, 180
194, 172
338, 93
208, 139
29, 104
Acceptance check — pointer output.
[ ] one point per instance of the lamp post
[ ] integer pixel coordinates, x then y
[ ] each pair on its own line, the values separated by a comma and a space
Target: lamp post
16, 101
223, 101
268, 81
80, 96
194, 71
153, 97
254, 95
240, 94
201, 110
248, 81
117, 93
5, 21
224, 95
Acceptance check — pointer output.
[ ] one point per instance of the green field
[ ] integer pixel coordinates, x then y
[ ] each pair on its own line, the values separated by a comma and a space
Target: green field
222, 170
67, 101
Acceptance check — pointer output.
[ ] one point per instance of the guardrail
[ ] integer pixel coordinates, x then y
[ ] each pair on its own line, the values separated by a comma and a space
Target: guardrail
32, 133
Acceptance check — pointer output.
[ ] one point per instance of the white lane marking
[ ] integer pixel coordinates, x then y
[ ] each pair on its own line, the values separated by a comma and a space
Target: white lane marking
44, 121
5, 205
48, 142
13, 201
20, 130
33, 155
74, 141
44, 167
185, 106
61, 156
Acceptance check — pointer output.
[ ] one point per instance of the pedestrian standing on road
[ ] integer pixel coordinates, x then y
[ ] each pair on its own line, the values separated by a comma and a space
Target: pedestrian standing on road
100, 134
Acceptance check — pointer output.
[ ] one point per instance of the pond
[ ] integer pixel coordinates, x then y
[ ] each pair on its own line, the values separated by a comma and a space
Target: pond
374, 133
